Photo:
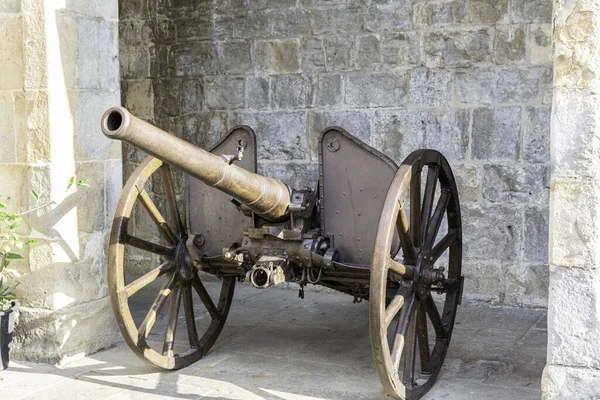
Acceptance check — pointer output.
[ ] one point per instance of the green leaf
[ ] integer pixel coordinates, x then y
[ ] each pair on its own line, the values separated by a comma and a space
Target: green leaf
70, 182
2, 206
13, 256
35, 194
31, 241
6, 262
82, 182
6, 248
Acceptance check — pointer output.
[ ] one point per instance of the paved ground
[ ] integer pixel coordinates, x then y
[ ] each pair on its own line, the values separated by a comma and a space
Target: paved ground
276, 346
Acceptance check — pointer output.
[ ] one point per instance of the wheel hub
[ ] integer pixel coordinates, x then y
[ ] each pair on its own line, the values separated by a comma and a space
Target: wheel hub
426, 275
184, 261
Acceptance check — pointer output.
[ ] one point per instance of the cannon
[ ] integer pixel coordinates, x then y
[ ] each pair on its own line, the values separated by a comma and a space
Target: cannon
374, 230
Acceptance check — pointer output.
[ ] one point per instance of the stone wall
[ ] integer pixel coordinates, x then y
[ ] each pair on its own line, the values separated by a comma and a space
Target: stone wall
471, 78
58, 73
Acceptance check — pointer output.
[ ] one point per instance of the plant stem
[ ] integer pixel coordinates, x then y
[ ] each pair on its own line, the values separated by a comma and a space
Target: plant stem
35, 209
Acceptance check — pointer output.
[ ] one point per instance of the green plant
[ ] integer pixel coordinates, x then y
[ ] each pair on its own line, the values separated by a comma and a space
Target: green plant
11, 243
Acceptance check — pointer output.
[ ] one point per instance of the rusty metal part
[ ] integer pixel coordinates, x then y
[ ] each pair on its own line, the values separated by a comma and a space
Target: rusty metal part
267, 197
353, 182
413, 303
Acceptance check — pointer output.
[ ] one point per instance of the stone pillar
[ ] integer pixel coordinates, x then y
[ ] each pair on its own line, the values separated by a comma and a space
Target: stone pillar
59, 72
573, 365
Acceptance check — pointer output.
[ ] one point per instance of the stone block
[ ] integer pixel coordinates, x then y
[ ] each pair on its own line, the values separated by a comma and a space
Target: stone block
457, 48
329, 91
163, 32
132, 33
338, 53
574, 142
526, 284
138, 97
234, 57
496, 133
397, 133
268, 4
113, 185
514, 184
224, 92
257, 92
188, 59
295, 175
282, 135
536, 134
106, 10
535, 242
8, 154
252, 25
490, 86
212, 125
108, 55
430, 87
531, 11
278, 57
230, 5
134, 62
87, 108
368, 53
199, 27
292, 91
223, 26
510, 45
573, 318
449, 133
388, 17
484, 281
427, 14
540, 43
400, 48
34, 144
291, 22
342, 20
565, 382
12, 63
13, 185
575, 213
89, 203
313, 55
10, 6
491, 232
468, 180
357, 123
377, 90
87, 55
159, 61
488, 11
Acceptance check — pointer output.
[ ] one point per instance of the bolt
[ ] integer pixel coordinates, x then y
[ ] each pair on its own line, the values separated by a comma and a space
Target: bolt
228, 255
199, 241
333, 146
242, 143
245, 242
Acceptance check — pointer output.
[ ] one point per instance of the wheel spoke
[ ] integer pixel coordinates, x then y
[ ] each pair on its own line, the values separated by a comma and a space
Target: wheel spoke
190, 319
426, 367
396, 303
411, 351
415, 209
436, 320
169, 343
172, 198
408, 248
447, 241
428, 197
149, 246
402, 328
156, 216
157, 305
146, 279
205, 297
436, 219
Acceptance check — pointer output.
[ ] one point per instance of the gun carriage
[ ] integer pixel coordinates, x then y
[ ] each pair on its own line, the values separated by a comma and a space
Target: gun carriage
391, 235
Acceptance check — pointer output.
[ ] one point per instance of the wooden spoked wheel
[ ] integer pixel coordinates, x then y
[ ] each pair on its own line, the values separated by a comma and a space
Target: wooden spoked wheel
181, 286
413, 303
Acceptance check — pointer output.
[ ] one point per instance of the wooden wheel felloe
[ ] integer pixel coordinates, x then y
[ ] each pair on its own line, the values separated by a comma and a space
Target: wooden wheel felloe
413, 302
182, 286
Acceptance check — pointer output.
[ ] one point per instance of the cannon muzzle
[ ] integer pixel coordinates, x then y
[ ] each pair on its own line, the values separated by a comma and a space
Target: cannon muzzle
267, 197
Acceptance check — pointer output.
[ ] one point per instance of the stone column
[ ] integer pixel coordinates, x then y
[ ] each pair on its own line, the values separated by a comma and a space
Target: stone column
58, 73
573, 365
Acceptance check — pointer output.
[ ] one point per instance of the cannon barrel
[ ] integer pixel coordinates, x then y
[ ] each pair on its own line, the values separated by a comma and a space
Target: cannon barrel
267, 197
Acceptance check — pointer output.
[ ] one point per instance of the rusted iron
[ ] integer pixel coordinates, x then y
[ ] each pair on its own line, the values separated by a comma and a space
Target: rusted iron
376, 231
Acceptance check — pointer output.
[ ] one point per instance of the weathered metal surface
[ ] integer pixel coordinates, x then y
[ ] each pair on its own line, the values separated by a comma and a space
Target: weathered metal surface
210, 211
355, 235
353, 183
267, 197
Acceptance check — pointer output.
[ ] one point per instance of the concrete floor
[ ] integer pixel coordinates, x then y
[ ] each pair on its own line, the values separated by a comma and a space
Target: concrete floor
277, 346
